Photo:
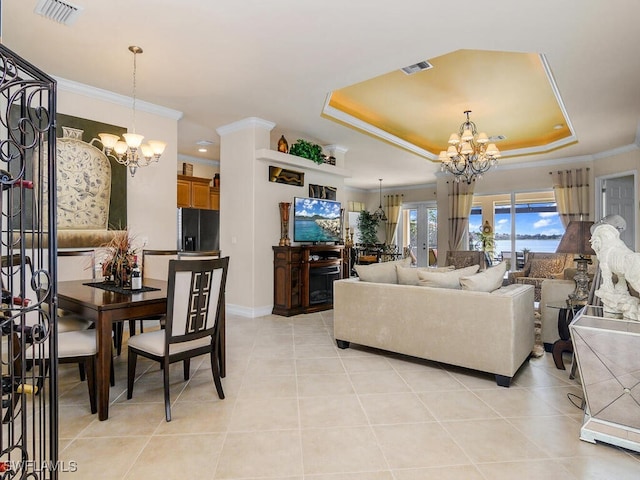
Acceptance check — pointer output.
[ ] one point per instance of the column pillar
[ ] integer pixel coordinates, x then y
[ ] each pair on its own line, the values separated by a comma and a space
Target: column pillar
240, 213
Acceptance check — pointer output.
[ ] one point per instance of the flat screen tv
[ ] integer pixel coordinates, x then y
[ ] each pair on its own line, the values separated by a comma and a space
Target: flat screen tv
316, 220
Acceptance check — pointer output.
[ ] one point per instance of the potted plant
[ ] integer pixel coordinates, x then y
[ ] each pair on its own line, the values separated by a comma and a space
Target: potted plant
368, 226
308, 150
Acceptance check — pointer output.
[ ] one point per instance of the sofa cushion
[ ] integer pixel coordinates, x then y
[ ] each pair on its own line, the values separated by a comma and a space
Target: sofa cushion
446, 279
384, 272
409, 275
485, 281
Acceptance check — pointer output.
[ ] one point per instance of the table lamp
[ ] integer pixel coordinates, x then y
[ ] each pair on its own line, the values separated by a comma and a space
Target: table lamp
576, 240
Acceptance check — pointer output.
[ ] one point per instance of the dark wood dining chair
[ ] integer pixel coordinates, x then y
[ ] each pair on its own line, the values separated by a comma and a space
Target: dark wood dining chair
195, 302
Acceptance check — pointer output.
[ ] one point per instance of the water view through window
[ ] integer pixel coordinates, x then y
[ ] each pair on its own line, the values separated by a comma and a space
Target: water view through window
538, 227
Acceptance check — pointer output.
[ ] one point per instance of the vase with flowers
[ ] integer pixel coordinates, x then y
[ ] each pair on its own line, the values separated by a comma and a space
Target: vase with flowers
119, 259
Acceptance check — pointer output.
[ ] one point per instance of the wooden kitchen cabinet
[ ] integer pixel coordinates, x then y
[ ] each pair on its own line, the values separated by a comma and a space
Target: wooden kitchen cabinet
214, 198
193, 192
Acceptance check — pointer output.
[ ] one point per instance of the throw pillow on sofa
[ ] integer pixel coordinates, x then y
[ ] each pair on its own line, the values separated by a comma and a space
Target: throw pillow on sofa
409, 275
384, 272
485, 281
446, 279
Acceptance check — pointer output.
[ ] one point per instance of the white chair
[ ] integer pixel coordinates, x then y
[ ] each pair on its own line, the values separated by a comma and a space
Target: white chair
81, 265
155, 264
74, 265
73, 347
195, 300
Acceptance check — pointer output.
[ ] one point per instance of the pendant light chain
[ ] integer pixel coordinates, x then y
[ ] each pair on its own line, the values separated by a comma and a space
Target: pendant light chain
135, 54
131, 152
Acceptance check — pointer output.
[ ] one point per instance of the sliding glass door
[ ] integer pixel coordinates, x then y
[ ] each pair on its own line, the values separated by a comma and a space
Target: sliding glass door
529, 223
420, 232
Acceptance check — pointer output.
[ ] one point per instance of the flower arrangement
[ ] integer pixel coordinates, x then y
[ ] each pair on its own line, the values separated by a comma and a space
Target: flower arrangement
119, 258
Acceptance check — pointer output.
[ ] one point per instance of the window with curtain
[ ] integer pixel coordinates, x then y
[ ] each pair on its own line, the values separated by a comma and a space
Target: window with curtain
460, 201
571, 190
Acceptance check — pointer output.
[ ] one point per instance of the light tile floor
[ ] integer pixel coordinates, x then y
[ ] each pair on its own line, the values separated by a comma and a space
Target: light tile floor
298, 408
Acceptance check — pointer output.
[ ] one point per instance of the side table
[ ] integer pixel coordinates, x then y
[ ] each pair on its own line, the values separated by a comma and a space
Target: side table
606, 350
566, 312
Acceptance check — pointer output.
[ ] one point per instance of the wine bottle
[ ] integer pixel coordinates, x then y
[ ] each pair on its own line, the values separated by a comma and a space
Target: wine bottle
136, 275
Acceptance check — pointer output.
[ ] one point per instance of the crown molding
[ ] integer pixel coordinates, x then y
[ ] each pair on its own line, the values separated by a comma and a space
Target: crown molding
245, 123
336, 149
616, 151
576, 159
116, 98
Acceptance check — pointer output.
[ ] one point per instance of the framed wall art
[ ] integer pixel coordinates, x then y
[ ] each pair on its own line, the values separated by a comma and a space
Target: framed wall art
289, 177
321, 191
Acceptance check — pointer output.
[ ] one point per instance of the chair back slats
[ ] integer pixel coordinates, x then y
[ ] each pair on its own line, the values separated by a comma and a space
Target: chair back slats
194, 294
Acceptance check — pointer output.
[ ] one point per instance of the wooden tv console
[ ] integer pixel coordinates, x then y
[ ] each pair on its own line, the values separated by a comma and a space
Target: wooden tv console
303, 277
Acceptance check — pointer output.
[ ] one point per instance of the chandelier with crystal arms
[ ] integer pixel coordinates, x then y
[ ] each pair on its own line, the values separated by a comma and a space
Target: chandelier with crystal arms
469, 154
132, 152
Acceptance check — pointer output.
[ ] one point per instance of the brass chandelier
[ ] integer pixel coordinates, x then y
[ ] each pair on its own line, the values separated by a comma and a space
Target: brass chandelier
469, 154
132, 152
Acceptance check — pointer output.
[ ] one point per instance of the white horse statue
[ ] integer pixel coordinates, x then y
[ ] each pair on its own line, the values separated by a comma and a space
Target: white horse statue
614, 257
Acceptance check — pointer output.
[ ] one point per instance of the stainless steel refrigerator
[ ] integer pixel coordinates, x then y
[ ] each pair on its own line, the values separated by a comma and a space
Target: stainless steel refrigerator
198, 229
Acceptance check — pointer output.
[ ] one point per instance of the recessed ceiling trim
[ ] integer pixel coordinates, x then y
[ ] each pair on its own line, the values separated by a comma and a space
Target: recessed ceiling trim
366, 127
556, 93
354, 122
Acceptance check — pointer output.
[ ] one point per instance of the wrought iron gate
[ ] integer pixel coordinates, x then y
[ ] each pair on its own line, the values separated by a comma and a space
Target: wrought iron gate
29, 433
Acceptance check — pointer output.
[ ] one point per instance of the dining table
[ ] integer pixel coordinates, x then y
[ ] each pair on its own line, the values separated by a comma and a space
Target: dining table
104, 308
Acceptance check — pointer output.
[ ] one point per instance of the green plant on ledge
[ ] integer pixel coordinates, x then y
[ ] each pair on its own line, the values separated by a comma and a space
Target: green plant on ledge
308, 150
368, 226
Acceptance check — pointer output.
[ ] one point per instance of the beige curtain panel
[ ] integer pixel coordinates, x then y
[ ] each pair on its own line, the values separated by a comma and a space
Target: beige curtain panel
393, 205
460, 200
571, 189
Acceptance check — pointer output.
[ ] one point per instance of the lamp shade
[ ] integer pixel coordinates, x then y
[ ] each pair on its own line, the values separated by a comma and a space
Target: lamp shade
576, 239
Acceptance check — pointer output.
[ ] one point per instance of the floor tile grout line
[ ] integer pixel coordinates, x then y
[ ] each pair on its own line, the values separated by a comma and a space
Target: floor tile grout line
225, 434
369, 424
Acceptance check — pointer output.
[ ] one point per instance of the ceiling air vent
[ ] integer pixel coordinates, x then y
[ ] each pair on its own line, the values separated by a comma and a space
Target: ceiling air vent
58, 11
417, 67
497, 138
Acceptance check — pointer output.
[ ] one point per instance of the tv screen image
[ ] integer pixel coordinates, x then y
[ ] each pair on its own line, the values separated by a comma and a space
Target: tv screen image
316, 220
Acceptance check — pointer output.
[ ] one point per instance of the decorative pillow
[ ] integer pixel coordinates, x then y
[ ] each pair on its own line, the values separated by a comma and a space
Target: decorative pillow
546, 267
409, 275
446, 279
485, 281
384, 272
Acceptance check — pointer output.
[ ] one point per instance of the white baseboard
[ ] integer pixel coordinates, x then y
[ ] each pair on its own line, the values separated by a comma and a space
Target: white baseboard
249, 312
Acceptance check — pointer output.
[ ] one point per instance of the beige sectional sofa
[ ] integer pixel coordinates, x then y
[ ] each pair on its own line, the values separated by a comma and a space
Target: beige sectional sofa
490, 332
